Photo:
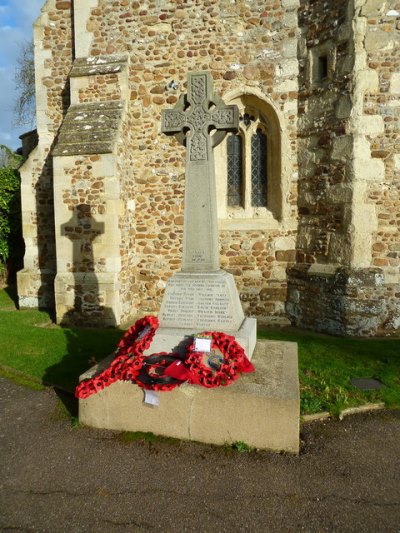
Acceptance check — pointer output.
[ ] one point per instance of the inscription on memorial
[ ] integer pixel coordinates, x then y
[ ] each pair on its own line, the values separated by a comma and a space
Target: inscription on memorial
198, 256
199, 302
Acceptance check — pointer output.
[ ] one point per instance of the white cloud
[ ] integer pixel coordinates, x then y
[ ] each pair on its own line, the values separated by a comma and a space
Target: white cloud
24, 12
5, 138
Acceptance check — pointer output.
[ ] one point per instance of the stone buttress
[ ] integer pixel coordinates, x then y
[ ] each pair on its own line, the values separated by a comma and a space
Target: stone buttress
53, 39
347, 278
89, 193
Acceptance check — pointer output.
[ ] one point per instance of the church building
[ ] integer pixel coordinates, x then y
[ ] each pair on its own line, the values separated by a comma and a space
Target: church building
308, 189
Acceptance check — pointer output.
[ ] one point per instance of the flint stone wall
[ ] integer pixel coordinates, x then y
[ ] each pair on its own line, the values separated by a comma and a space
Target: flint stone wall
244, 47
349, 190
340, 165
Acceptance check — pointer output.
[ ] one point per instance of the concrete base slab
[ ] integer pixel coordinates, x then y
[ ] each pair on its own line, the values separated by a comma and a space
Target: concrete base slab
261, 409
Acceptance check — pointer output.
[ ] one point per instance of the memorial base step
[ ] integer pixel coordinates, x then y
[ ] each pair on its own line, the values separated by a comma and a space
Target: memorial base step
260, 409
177, 339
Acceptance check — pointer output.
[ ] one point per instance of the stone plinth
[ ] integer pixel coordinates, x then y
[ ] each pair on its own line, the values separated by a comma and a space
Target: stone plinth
176, 339
260, 409
207, 300
202, 301
35, 289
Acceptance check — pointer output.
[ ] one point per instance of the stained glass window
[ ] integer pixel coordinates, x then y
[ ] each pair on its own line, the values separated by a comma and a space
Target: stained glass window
235, 170
259, 169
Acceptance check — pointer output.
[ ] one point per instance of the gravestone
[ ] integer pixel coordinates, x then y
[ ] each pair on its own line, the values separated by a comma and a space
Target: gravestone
201, 297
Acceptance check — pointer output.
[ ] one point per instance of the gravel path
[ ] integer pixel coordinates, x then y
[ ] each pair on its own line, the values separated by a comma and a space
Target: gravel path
56, 478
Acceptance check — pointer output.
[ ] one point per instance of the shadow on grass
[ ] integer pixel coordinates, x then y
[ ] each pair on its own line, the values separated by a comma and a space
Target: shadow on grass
12, 293
69, 401
84, 348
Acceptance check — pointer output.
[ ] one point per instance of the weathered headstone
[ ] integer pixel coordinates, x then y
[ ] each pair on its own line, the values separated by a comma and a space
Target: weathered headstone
201, 296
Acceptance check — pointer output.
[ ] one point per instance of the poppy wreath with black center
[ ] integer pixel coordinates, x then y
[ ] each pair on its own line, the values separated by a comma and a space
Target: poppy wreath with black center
234, 362
128, 361
152, 374
122, 368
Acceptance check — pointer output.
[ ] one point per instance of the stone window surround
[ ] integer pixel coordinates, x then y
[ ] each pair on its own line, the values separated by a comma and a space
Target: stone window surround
277, 213
324, 50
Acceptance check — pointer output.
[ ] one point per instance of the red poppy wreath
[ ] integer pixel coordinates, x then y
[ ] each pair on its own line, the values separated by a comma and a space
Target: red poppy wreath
233, 363
163, 371
129, 358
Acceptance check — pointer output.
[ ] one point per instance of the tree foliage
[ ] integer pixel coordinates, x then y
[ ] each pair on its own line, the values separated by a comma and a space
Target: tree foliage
10, 209
25, 84
8, 158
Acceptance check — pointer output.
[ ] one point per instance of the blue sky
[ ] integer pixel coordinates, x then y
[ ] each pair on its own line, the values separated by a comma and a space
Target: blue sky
16, 19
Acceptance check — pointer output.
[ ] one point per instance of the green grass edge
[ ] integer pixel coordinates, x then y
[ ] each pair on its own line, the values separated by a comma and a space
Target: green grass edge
37, 353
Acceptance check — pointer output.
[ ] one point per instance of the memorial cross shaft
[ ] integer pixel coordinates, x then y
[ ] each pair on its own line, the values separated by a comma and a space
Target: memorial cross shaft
200, 121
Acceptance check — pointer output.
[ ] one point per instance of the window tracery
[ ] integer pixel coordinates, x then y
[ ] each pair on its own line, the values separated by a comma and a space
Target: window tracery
247, 162
235, 170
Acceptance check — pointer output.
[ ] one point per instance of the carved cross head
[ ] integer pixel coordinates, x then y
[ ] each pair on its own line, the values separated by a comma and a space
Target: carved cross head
200, 119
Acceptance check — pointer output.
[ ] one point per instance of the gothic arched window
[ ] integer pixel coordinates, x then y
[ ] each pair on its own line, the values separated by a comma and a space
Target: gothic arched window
247, 163
251, 181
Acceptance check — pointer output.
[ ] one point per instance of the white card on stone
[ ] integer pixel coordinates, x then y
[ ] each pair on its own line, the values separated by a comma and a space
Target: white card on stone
202, 345
151, 398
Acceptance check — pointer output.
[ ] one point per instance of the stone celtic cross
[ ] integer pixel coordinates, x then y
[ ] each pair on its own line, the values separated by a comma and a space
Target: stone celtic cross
200, 121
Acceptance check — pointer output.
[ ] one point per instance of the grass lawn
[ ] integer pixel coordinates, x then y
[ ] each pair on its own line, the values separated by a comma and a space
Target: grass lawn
32, 345
34, 350
328, 363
